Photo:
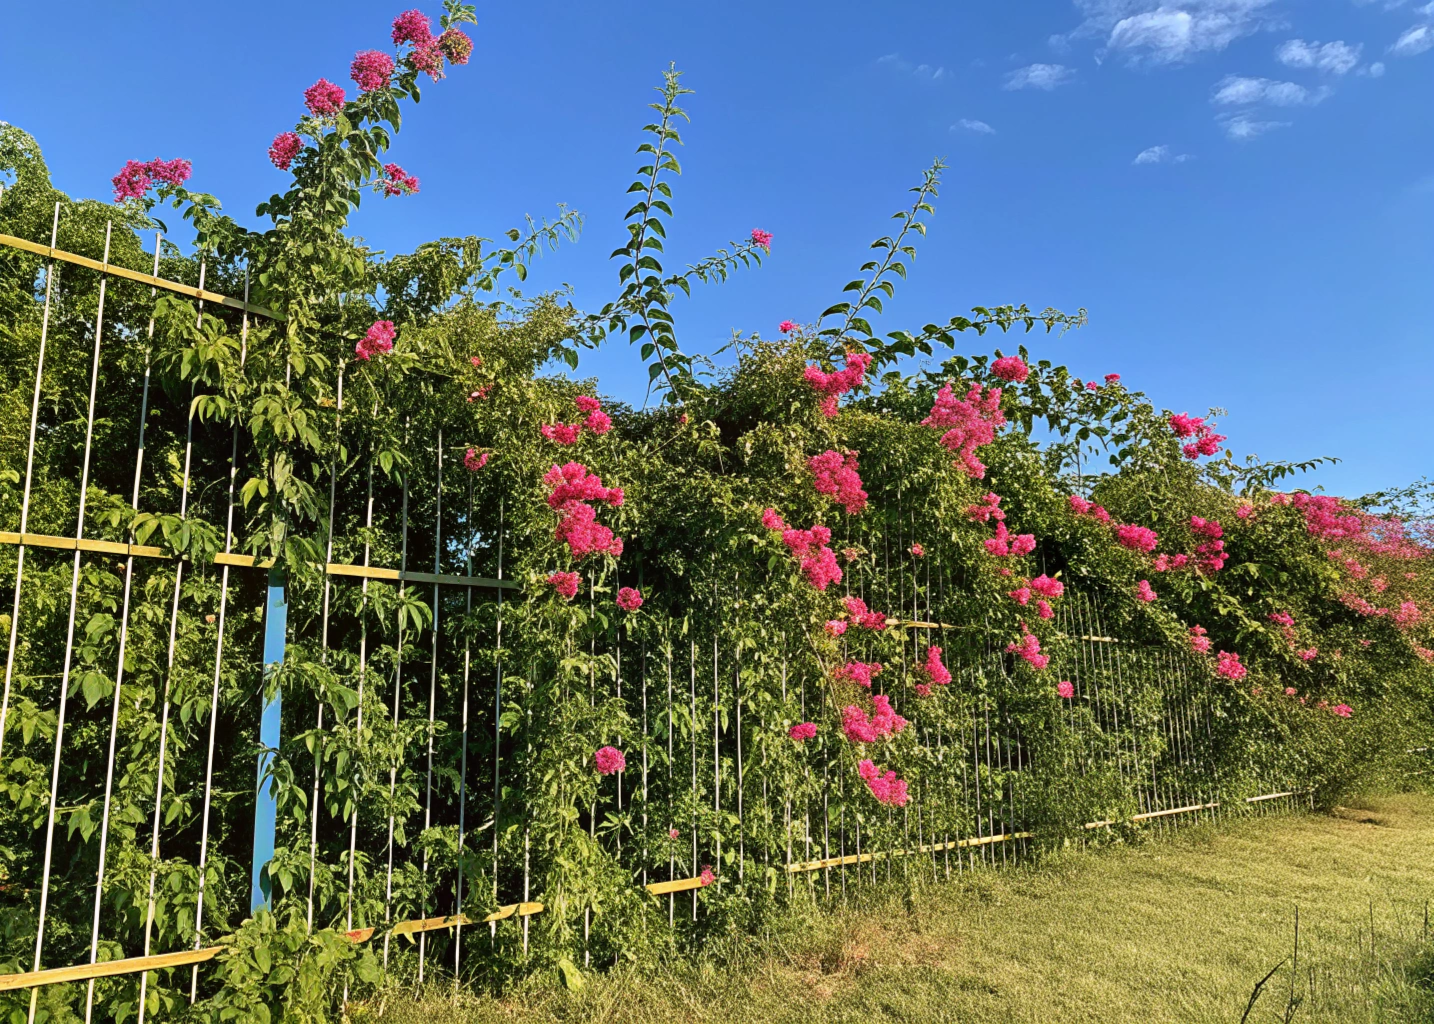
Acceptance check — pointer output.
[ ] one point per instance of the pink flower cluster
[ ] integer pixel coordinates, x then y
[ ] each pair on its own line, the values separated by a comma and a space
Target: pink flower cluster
837, 383
859, 672
136, 178
1065, 689
935, 669
1006, 543
565, 583
1286, 622
324, 98
918, 551
629, 599
1210, 552
1011, 368
1407, 615
835, 627
1081, 507
377, 340
1308, 654
573, 487
887, 788
968, 423
1047, 587
473, 462
863, 616
837, 476
1136, 538
861, 728
371, 69
988, 509
708, 876
1199, 642
1029, 648
818, 562
1342, 710
1143, 592
597, 422
609, 760
1355, 603
284, 148
762, 238
397, 182
1206, 442
427, 55
1228, 665
802, 731
1164, 562
787, 326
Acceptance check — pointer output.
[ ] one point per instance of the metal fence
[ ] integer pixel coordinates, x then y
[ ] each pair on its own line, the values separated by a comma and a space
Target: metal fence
146, 692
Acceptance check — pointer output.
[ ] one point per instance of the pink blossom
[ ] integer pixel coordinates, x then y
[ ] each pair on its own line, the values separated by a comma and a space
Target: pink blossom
988, 509
565, 583
836, 476
1290, 691
1186, 426
1342, 710
708, 876
412, 27
969, 423
377, 340
1081, 507
1021, 595
609, 760
1279, 499
786, 327
473, 462
934, 668
1407, 615
1090, 385
858, 672
397, 182
132, 181
922, 689
887, 788
1380, 584
583, 534
561, 433
598, 422
371, 69
477, 361
1228, 665
1199, 642
837, 383
586, 403
771, 520
324, 97
918, 550
1005, 543
762, 238
481, 394
1047, 587
1136, 538
1044, 609
820, 568
1029, 648
1065, 689
573, 482
284, 148
629, 599
171, 172
672, 833
1143, 591
1012, 368
1244, 509
427, 59
862, 616
456, 45
835, 627
1112, 378
802, 731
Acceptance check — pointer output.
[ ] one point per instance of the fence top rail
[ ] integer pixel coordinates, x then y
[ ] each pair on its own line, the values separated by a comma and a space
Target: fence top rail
41, 249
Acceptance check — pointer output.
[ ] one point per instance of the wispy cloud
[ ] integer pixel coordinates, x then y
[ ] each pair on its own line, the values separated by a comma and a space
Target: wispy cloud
900, 65
1039, 76
1235, 90
1169, 31
1336, 58
1375, 70
1160, 155
1414, 41
971, 125
1244, 126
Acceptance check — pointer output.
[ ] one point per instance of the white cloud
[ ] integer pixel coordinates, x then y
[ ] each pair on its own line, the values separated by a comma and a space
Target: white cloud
1062, 44
1337, 58
1242, 126
979, 127
902, 66
1414, 41
1375, 70
1155, 32
1160, 155
1235, 90
1039, 76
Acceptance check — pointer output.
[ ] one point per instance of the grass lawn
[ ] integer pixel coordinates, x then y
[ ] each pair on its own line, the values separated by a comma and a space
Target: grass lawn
1176, 929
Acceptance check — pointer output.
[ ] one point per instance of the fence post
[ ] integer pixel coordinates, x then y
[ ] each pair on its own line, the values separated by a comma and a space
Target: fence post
276, 619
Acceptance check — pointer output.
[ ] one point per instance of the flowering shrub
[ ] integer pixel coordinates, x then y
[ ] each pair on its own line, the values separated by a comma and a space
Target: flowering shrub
609, 760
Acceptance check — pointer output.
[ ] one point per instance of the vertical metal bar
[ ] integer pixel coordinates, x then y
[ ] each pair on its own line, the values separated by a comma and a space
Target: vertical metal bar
29, 476
214, 695
671, 711
432, 701
692, 669
363, 678
463, 756
69, 639
397, 699
498, 712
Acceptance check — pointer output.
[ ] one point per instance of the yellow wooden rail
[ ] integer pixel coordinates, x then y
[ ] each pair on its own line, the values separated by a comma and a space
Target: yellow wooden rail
40, 249
372, 572
140, 964
675, 885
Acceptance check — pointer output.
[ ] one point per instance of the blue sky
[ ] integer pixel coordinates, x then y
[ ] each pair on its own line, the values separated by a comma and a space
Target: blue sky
1240, 191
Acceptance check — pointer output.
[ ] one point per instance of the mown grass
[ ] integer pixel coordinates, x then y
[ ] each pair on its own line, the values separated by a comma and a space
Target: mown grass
1176, 929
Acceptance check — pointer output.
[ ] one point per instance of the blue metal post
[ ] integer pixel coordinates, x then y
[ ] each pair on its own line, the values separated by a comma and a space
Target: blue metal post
276, 619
